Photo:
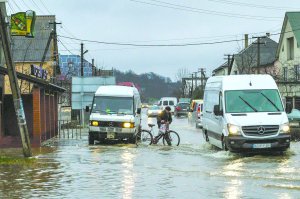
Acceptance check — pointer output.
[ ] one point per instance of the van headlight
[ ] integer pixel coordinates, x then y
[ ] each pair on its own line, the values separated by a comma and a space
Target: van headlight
94, 123
128, 125
233, 129
284, 128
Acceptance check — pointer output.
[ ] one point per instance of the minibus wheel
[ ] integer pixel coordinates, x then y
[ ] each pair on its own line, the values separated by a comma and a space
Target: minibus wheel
205, 135
224, 146
91, 139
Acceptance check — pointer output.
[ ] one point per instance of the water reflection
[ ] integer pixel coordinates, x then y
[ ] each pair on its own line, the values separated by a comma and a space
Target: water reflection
128, 174
233, 171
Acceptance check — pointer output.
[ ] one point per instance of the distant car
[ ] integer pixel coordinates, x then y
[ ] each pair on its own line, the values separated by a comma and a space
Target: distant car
153, 111
194, 113
181, 109
294, 121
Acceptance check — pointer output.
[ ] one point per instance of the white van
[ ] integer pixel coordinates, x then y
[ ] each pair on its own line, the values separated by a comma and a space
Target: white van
115, 114
168, 101
245, 113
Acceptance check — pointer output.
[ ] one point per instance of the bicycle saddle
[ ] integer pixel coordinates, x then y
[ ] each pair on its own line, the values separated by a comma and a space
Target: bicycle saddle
151, 125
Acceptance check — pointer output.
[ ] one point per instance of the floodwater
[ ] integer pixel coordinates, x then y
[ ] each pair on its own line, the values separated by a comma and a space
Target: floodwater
71, 168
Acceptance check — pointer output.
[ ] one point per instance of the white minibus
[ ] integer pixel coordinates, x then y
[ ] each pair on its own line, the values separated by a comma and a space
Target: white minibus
245, 113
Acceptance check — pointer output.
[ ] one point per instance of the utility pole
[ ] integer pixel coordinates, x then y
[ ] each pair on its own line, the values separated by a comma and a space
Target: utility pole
93, 67
18, 104
229, 58
258, 50
192, 85
195, 80
202, 77
56, 59
81, 56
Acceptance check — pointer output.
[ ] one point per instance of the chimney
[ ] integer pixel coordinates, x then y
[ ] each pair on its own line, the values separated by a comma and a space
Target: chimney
246, 41
268, 34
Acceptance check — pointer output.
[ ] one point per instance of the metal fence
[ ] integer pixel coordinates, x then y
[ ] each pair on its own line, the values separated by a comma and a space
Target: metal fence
70, 129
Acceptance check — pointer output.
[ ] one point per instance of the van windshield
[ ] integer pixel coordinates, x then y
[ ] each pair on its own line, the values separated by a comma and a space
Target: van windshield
253, 101
113, 105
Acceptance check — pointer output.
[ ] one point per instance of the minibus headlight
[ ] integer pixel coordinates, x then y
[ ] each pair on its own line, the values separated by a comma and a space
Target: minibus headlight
233, 129
94, 123
285, 128
159, 112
128, 125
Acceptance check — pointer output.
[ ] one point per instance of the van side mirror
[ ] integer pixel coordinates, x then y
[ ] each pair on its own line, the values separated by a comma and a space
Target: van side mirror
138, 111
87, 109
288, 108
217, 111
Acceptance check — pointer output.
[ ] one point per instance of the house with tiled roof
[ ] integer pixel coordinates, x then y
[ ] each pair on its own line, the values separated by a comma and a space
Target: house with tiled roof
288, 58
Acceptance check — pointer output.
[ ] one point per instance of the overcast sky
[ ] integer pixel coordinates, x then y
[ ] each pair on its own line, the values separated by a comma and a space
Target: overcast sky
164, 22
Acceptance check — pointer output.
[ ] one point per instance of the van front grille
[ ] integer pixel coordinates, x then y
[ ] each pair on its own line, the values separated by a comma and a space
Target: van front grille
110, 124
263, 130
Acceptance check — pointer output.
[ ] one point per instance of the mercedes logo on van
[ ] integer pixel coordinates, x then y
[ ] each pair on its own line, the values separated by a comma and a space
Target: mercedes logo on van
261, 130
111, 124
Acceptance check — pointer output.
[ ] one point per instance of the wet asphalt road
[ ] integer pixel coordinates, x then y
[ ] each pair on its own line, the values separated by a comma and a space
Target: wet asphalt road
70, 168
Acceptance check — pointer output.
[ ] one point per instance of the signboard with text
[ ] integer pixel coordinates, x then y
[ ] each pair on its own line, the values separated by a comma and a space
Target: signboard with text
39, 72
22, 23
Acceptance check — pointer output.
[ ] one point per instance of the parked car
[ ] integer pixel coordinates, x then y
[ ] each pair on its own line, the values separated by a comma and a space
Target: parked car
194, 113
153, 111
294, 121
181, 109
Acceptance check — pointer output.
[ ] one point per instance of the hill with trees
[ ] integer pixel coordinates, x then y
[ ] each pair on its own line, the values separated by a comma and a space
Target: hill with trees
152, 86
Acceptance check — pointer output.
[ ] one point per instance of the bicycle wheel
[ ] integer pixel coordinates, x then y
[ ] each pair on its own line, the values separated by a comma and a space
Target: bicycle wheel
143, 138
171, 138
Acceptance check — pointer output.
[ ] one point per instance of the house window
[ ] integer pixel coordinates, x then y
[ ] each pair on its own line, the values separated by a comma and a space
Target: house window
290, 48
297, 72
285, 73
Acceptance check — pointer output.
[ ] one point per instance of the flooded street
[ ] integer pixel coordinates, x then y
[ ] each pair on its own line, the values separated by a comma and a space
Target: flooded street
194, 169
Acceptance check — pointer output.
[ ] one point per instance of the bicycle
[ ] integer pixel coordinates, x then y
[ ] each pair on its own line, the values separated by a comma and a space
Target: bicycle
145, 137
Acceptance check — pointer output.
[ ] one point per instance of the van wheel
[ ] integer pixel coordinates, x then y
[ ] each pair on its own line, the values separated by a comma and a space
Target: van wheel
205, 136
224, 146
91, 139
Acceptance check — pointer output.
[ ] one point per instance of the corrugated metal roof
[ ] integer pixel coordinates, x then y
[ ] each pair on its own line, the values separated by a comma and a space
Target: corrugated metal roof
32, 49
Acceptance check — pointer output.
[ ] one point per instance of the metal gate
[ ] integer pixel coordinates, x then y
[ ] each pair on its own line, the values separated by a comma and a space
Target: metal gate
70, 129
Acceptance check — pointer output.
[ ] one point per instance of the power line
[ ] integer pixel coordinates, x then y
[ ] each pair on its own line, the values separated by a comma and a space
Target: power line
165, 45
11, 7
37, 6
43, 4
24, 2
16, 5
65, 47
251, 5
203, 11
150, 45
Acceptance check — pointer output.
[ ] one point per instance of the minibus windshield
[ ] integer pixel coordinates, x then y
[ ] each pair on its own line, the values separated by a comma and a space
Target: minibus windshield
113, 105
243, 101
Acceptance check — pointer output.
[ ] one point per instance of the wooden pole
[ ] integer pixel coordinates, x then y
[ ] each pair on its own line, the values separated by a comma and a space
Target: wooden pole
18, 104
